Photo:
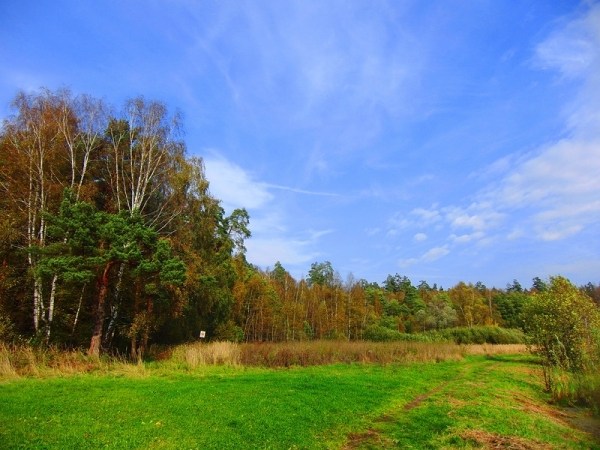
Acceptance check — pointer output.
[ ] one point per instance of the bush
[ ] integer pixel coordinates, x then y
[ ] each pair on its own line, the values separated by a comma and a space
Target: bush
458, 335
563, 325
379, 333
480, 335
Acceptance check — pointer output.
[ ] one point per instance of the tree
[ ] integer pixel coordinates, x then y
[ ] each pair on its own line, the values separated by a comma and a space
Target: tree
33, 138
538, 285
142, 149
321, 274
470, 305
158, 277
592, 291
50, 144
514, 287
563, 324
438, 313
87, 244
510, 305
131, 186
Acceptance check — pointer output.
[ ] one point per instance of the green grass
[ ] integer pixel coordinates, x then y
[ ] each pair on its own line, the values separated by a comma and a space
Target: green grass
451, 404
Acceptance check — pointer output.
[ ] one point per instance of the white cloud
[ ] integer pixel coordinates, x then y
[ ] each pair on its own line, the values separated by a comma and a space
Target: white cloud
271, 240
550, 193
558, 232
572, 49
420, 237
302, 191
516, 233
477, 216
324, 69
404, 263
373, 231
427, 216
466, 238
267, 251
398, 222
435, 254
430, 255
562, 171
234, 186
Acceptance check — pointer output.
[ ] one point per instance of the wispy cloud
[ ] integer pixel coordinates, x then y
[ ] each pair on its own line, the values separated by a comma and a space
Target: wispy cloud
233, 185
265, 251
550, 193
431, 255
272, 240
330, 71
572, 49
420, 237
558, 185
302, 191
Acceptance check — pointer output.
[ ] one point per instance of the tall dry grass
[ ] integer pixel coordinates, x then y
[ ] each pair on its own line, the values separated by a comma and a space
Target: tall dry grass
334, 352
26, 361
495, 349
7, 369
210, 354
17, 361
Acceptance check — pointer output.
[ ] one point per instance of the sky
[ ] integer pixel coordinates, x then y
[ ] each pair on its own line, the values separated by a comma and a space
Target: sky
446, 141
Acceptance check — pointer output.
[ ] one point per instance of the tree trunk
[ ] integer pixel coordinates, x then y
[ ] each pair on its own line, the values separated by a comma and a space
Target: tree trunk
114, 308
51, 308
94, 349
78, 309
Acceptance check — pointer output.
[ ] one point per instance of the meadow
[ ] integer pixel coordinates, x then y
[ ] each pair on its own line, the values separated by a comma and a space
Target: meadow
304, 395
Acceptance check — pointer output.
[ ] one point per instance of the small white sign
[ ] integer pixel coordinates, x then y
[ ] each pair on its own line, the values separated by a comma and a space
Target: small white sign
202, 334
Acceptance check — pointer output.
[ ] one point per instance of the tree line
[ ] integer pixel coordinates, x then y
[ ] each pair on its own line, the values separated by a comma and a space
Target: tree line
110, 239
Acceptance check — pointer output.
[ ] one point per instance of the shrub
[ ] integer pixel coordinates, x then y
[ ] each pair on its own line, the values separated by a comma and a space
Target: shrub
563, 324
480, 335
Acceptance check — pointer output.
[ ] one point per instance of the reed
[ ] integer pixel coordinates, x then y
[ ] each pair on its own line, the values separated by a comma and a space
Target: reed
19, 361
581, 388
201, 354
334, 352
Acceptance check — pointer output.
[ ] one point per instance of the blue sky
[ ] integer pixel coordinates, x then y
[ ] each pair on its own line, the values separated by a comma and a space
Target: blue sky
445, 140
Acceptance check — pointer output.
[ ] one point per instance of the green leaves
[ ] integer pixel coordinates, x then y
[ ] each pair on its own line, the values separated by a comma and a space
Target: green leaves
562, 322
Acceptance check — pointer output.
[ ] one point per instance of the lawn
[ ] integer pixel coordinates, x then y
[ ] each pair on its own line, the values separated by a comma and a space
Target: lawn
471, 403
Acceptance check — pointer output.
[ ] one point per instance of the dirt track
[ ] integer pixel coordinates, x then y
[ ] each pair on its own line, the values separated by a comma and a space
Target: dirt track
467, 388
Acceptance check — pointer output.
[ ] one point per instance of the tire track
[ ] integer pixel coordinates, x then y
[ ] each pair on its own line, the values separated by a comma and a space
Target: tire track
375, 437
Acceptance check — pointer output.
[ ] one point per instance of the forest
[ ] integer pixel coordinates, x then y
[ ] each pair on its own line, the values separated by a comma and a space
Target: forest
111, 241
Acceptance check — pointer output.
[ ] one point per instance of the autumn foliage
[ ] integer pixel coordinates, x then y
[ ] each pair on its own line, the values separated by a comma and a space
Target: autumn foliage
110, 240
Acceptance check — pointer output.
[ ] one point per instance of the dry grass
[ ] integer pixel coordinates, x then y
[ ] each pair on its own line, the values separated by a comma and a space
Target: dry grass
489, 440
25, 361
333, 352
6, 368
494, 349
17, 361
214, 353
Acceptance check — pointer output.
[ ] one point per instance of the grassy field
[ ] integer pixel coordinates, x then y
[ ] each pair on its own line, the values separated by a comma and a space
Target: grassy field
473, 402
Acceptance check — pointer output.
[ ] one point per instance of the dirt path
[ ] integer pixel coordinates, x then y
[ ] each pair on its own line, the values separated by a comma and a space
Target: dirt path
372, 437
472, 379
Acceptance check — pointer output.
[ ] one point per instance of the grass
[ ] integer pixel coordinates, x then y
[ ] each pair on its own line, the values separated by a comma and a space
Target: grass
216, 407
204, 397
576, 388
491, 403
17, 361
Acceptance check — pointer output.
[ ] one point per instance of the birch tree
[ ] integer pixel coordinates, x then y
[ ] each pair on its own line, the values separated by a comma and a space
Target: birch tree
34, 136
142, 148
